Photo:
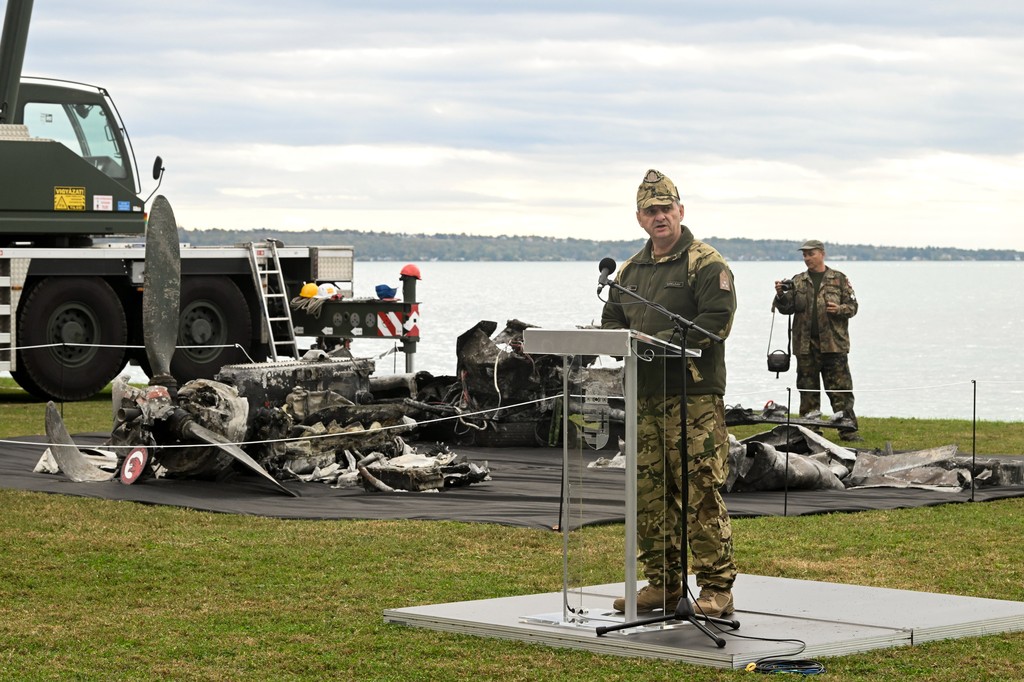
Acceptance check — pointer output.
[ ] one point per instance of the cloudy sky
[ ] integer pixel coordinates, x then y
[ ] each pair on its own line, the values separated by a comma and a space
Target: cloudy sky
894, 123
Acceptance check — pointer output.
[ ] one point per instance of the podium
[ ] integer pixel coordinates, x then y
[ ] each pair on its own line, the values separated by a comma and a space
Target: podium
584, 411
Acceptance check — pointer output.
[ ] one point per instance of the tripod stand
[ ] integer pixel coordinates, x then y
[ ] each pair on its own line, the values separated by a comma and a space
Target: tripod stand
684, 610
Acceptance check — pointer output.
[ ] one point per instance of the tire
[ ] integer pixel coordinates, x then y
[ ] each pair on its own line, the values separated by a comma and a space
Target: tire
214, 314
60, 310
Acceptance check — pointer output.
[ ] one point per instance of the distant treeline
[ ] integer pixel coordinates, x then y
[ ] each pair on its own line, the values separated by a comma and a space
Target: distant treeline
371, 246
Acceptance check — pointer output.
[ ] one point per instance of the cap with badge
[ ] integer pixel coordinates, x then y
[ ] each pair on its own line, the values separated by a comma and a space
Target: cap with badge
812, 244
655, 190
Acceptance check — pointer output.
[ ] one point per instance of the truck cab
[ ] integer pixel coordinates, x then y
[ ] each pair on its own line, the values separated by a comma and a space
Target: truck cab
84, 120
68, 172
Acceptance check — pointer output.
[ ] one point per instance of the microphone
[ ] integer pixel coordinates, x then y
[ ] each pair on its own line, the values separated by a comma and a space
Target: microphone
607, 267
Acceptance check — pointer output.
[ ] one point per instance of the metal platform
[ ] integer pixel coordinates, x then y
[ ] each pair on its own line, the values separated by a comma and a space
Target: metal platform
832, 619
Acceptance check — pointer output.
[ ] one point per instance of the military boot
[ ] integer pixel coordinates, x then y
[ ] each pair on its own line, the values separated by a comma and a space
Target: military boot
713, 602
650, 598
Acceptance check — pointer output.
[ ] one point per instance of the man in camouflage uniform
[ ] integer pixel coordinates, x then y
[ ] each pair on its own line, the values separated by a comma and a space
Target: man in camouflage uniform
691, 279
821, 302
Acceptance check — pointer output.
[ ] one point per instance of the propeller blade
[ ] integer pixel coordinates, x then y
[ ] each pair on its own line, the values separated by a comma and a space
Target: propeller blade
161, 294
203, 434
69, 458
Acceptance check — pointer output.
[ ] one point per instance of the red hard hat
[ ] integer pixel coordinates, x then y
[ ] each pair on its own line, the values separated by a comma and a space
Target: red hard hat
411, 270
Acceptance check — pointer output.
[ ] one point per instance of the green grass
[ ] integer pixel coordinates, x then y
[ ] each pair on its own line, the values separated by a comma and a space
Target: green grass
101, 590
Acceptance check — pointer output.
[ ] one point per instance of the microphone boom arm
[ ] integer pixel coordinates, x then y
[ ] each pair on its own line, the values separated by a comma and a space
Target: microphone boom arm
679, 320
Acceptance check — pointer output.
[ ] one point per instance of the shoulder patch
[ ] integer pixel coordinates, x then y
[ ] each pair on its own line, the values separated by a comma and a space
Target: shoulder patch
723, 281
700, 255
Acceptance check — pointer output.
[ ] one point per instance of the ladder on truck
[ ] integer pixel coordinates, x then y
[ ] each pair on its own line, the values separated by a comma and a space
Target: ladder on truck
277, 315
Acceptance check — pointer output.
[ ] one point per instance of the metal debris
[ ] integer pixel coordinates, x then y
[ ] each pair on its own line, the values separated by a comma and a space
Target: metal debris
798, 458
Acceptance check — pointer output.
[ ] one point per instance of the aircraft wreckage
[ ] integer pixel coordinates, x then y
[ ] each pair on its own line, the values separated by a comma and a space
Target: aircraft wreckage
327, 418
314, 434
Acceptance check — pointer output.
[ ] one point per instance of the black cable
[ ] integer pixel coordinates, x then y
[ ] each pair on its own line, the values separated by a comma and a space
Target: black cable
783, 666
773, 664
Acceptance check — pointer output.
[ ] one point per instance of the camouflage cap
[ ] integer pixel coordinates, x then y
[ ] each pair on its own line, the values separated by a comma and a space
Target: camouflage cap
812, 244
655, 190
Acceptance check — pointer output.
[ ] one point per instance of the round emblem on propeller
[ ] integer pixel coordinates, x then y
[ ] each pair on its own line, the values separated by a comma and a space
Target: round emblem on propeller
134, 464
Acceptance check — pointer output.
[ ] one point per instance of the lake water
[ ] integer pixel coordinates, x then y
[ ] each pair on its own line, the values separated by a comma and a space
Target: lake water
925, 330
924, 333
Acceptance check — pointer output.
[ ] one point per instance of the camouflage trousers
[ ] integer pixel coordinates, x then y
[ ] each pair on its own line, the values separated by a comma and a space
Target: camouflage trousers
834, 370
660, 494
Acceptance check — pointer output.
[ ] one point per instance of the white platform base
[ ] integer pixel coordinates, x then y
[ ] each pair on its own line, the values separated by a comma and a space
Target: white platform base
832, 620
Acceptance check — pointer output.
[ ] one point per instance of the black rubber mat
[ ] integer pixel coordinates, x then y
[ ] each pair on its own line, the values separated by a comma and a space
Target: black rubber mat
524, 491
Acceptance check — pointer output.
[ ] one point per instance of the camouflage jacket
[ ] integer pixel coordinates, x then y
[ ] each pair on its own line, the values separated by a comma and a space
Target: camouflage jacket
833, 330
694, 281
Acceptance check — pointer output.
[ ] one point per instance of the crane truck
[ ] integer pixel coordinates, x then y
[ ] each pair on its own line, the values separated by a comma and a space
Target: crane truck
72, 257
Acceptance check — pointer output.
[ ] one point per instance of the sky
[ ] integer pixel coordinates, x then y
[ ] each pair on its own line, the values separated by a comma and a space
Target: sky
864, 122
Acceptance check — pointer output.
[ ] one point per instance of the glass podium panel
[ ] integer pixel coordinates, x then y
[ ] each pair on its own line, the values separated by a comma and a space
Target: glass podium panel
595, 412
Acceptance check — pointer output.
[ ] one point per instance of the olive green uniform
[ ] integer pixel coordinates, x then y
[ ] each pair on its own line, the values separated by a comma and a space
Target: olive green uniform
695, 282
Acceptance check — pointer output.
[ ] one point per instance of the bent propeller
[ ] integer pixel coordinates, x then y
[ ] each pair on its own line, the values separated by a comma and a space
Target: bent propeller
69, 458
161, 295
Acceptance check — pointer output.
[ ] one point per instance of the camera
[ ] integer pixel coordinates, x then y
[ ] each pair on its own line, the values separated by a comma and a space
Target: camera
786, 285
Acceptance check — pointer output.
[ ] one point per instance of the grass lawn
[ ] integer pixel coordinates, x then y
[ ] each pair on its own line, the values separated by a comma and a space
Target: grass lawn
102, 590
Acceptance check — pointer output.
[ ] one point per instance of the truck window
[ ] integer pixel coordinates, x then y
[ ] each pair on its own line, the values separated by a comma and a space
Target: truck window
82, 128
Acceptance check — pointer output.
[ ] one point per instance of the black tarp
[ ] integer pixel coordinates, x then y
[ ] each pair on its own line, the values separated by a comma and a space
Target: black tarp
524, 491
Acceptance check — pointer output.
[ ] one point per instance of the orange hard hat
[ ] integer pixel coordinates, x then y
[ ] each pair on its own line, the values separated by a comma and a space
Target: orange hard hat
411, 270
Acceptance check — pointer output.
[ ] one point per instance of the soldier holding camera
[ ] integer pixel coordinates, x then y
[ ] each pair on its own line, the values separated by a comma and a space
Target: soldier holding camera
821, 302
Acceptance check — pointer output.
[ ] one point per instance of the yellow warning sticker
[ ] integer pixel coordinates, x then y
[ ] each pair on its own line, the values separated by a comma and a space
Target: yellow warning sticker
68, 198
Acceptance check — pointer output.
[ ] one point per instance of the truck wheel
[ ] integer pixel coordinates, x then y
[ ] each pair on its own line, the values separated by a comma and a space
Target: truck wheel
79, 310
215, 315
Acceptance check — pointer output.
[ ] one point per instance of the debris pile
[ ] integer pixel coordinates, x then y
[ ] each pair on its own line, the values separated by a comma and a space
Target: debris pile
314, 433
498, 378
796, 458
345, 445
503, 396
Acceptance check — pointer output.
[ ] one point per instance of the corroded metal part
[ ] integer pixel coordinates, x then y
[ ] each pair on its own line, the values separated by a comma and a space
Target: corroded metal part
764, 468
210, 404
192, 430
921, 468
270, 384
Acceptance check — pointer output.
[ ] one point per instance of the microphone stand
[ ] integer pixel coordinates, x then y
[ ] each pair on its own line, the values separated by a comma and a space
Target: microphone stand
684, 610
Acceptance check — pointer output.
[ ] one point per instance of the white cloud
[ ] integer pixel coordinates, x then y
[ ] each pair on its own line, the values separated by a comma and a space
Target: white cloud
870, 123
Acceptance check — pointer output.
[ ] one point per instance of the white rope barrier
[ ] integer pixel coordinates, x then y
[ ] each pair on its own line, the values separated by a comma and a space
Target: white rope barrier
461, 416
346, 434
111, 345
390, 351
